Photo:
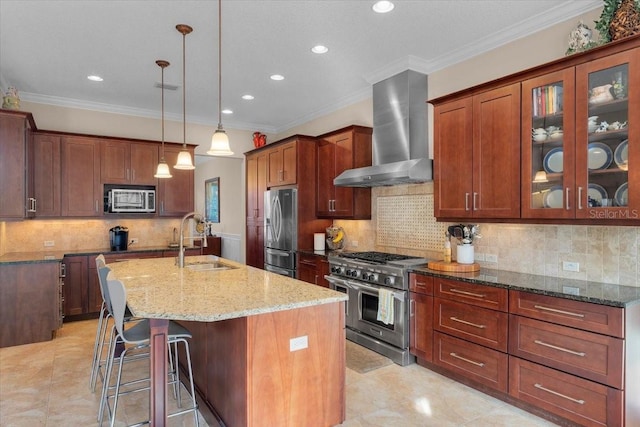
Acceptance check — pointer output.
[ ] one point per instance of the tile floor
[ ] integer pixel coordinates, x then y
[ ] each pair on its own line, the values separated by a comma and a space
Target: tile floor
46, 384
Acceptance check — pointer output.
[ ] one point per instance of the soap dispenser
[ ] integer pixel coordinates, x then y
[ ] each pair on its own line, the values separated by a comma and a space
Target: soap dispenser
447, 247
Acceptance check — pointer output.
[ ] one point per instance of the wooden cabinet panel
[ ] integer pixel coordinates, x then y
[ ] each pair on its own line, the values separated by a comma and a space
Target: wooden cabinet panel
29, 302
312, 269
256, 181
282, 165
175, 195
421, 326
45, 172
115, 158
214, 246
481, 296
593, 356
14, 135
581, 401
577, 314
478, 325
480, 364
76, 285
336, 152
421, 284
255, 245
81, 192
144, 160
477, 152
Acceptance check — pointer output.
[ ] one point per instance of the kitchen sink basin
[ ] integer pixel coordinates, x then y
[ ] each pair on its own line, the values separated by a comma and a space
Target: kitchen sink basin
207, 266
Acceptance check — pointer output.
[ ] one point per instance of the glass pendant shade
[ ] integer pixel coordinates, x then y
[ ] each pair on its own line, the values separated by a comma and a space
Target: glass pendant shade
220, 144
163, 170
184, 161
541, 176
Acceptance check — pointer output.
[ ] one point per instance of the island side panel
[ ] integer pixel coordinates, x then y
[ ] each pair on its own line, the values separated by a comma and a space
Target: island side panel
303, 387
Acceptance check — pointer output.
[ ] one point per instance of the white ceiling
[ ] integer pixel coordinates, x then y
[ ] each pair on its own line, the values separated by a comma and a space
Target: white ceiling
48, 47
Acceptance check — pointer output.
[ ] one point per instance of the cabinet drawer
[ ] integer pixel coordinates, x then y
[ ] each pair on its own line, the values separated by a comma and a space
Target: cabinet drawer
478, 325
596, 357
583, 315
480, 364
480, 295
584, 402
421, 284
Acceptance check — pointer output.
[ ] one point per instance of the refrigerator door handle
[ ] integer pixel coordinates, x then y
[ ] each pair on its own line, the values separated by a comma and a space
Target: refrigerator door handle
278, 253
276, 208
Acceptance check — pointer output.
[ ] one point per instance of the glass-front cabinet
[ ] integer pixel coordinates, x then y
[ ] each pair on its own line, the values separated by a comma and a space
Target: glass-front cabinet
580, 139
548, 146
608, 137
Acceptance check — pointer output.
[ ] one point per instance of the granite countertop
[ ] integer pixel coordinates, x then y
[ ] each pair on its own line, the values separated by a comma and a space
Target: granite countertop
578, 290
56, 256
157, 288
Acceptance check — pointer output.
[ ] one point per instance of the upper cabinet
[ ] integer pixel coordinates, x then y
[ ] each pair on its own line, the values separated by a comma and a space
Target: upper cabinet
125, 162
338, 151
44, 160
175, 196
577, 160
80, 177
477, 152
282, 165
608, 137
15, 133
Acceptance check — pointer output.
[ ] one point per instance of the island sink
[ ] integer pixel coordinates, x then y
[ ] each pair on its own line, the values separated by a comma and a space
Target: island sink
209, 264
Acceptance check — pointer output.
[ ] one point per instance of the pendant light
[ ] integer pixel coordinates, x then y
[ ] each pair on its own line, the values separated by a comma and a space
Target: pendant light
163, 168
184, 158
220, 140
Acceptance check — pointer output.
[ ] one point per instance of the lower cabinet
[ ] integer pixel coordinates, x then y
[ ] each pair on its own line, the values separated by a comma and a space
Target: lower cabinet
29, 302
312, 268
575, 360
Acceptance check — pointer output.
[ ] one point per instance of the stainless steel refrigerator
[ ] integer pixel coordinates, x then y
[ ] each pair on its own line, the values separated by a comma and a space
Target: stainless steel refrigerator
281, 230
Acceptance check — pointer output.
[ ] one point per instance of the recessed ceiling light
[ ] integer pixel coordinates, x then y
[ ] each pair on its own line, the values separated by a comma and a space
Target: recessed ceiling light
247, 97
383, 6
227, 111
277, 77
95, 78
319, 49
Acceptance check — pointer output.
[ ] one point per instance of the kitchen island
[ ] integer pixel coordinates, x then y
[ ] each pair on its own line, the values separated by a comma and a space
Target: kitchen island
266, 349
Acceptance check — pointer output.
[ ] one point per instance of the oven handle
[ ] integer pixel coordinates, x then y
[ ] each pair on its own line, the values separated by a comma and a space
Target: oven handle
357, 286
333, 279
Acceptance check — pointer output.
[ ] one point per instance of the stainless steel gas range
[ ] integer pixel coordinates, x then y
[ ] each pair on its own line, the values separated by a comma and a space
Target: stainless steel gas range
362, 276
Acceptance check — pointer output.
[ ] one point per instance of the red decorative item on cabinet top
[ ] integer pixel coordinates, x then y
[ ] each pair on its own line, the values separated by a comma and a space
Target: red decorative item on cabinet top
259, 139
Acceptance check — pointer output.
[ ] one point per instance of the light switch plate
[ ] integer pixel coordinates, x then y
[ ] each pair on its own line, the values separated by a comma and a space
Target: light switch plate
570, 266
491, 257
49, 243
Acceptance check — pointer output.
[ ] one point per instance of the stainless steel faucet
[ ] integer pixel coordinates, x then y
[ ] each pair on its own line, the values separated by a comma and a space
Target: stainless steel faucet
197, 216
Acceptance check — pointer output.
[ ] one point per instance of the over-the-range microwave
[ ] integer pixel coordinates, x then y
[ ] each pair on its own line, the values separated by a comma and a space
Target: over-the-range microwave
130, 200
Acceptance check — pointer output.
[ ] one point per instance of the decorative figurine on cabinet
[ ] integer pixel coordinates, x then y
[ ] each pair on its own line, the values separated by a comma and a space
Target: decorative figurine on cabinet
10, 100
580, 39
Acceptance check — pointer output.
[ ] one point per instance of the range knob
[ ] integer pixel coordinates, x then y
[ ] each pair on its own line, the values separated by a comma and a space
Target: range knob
388, 281
354, 273
365, 276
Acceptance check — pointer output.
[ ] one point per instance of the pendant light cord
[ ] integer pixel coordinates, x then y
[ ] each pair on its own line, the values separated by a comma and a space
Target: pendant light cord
219, 64
184, 91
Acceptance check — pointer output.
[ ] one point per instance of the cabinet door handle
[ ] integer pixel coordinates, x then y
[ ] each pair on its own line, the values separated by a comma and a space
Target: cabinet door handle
555, 347
471, 294
555, 393
473, 362
97, 205
555, 310
579, 197
133, 174
475, 196
566, 198
466, 201
127, 175
162, 206
412, 308
475, 325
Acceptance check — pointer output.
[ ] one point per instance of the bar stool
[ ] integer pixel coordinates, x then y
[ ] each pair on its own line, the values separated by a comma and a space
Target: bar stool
103, 325
138, 337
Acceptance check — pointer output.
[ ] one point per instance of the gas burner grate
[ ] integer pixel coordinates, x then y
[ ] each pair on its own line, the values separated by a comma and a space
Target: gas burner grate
375, 257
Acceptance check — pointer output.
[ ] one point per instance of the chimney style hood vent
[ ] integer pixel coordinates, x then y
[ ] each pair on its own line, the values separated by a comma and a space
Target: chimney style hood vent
400, 146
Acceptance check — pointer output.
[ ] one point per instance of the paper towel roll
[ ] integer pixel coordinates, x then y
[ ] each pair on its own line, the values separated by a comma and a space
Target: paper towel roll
318, 241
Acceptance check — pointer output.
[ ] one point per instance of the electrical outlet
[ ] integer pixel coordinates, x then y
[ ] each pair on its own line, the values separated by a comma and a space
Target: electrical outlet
298, 343
479, 257
571, 266
49, 243
491, 258
134, 240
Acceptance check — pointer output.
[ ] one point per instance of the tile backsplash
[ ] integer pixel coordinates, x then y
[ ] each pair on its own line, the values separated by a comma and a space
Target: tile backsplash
402, 222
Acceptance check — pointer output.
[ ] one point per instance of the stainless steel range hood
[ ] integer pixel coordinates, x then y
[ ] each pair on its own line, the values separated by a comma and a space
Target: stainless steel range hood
400, 146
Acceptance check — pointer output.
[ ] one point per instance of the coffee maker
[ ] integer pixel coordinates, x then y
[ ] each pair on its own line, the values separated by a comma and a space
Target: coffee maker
118, 238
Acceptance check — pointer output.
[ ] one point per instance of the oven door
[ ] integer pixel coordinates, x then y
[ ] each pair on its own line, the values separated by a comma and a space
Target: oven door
365, 318
342, 285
